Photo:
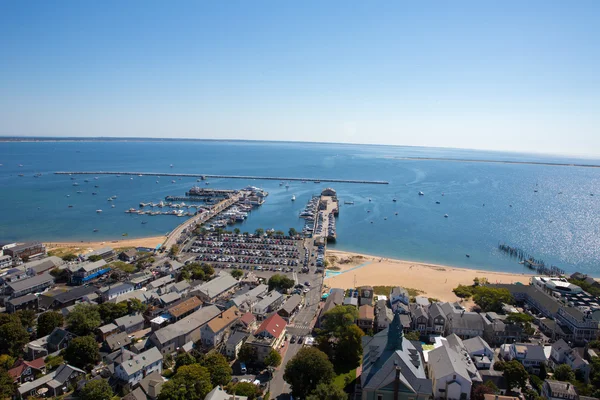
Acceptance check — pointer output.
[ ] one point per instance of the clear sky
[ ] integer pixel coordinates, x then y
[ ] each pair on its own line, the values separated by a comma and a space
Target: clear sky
505, 75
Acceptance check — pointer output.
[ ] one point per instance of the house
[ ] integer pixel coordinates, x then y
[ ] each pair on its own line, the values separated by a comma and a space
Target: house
117, 290
219, 393
269, 335
128, 255
420, 318
83, 273
106, 330
247, 322
290, 307
30, 250
25, 371
27, 302
179, 287
169, 299
34, 284
465, 324
183, 308
130, 323
437, 319
532, 356
46, 264
497, 331
215, 288
174, 336
52, 384
335, 298
393, 367
136, 394
5, 262
366, 316
107, 254
449, 374
383, 316
132, 371
234, 343
562, 353
116, 341
139, 279
59, 339
245, 300
351, 301
480, 352
267, 304
152, 384
365, 294
217, 329
556, 390
160, 282
60, 299
422, 301
399, 295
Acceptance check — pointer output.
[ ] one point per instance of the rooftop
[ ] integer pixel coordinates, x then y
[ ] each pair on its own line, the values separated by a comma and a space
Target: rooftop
32, 282
141, 361
187, 324
224, 319
274, 326
185, 306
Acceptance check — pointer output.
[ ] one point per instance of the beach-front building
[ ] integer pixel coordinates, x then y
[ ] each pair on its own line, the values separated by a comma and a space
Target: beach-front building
29, 250
107, 254
393, 367
83, 273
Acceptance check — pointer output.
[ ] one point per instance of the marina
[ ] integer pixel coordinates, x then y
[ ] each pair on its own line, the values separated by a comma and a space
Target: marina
205, 176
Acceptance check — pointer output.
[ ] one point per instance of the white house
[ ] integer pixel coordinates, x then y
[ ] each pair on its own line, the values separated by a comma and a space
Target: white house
532, 356
480, 352
135, 369
448, 374
269, 303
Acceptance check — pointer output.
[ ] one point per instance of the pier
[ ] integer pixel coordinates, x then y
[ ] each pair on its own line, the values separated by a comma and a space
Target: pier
206, 176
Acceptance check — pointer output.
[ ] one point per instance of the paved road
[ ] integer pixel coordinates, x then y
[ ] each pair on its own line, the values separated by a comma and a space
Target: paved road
278, 387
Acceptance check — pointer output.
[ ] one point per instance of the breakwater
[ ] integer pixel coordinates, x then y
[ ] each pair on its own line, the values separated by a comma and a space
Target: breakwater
205, 176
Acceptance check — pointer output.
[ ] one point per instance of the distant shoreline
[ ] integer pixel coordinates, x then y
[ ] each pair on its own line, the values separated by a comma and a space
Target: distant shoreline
466, 160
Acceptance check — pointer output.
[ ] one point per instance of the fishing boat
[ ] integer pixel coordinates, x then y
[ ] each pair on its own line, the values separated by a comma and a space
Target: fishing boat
423, 194
293, 197
98, 211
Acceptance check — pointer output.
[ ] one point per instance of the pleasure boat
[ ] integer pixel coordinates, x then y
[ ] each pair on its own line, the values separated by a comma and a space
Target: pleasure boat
437, 202
293, 197
171, 165
113, 206
445, 215
75, 184
422, 194
98, 211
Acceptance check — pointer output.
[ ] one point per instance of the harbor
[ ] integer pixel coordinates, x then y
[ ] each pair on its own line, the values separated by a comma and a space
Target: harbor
319, 216
206, 176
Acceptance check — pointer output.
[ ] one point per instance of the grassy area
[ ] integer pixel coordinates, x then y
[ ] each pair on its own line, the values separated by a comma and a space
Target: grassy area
342, 380
123, 266
385, 291
63, 251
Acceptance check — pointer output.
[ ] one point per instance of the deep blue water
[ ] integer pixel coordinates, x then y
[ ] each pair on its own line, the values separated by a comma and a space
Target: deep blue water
562, 228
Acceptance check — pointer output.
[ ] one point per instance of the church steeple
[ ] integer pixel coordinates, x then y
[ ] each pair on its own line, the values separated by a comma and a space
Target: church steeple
395, 334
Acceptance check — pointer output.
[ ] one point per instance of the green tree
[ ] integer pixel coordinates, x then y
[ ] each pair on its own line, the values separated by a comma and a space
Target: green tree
174, 250
94, 258
53, 362
7, 387
27, 318
236, 231
69, 257
339, 318
84, 319
491, 299
48, 321
247, 389
82, 351
280, 282
515, 375
9, 318
111, 311
414, 335
536, 382
292, 232
348, 349
247, 354
6, 361
463, 291
237, 273
273, 359
564, 373
191, 382
184, 359
519, 318
306, 370
136, 306
259, 232
327, 391
13, 338
218, 367
97, 389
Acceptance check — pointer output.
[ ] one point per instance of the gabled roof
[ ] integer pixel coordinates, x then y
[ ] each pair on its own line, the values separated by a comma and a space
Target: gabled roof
187, 324
224, 320
53, 379
152, 384
57, 336
117, 340
560, 345
170, 297
269, 299
444, 361
476, 344
435, 310
21, 365
129, 320
250, 296
141, 361
237, 337
560, 389
29, 283
74, 294
23, 299
274, 326
219, 394
108, 328
160, 282
366, 312
248, 318
217, 286
185, 306
291, 303
88, 266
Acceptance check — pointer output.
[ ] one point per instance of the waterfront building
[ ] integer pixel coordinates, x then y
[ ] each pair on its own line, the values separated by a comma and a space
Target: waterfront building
290, 307
83, 273
29, 250
107, 254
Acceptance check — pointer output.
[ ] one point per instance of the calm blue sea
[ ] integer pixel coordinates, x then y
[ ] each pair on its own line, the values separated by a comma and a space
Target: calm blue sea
561, 229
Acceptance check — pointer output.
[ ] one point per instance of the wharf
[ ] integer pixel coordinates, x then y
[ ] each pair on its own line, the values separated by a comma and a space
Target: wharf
190, 199
205, 176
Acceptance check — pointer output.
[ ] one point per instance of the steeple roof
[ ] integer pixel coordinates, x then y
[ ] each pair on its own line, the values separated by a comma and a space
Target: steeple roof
395, 334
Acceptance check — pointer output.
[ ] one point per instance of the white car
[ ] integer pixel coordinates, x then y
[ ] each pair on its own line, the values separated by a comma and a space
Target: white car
306, 290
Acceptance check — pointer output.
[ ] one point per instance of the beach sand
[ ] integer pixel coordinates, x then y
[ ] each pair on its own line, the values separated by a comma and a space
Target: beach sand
60, 248
435, 281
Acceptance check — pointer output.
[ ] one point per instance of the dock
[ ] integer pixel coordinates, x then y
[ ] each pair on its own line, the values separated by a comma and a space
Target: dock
206, 176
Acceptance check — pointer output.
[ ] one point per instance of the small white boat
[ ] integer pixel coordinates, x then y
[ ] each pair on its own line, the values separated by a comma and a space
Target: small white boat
294, 197
113, 206
131, 178
140, 175
369, 199
109, 199
68, 195
421, 194
95, 178
287, 186
98, 211
172, 181
156, 181
171, 165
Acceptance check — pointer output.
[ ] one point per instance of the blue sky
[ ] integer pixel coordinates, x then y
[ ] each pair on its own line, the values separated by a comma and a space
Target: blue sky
503, 75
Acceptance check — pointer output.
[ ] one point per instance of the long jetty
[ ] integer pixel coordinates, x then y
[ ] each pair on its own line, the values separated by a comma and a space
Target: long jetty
202, 176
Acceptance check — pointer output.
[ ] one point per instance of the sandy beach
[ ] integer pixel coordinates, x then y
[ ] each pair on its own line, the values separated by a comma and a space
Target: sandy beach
435, 281
84, 246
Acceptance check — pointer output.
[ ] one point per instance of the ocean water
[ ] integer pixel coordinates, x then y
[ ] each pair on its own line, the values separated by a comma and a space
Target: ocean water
562, 229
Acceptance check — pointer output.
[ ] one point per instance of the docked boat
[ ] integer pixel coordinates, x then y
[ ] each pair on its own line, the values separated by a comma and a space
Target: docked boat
293, 197
422, 194
98, 211
140, 175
